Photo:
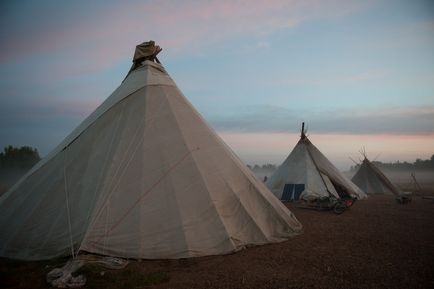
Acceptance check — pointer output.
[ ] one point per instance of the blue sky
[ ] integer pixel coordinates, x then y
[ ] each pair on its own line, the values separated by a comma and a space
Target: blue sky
360, 73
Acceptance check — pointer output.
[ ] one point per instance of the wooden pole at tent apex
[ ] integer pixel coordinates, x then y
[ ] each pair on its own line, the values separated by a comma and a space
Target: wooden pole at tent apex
303, 135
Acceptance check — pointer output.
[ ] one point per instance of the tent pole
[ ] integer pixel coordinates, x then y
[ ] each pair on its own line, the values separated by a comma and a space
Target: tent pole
316, 166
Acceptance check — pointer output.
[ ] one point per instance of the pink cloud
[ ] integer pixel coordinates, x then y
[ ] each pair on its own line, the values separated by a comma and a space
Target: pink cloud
52, 107
109, 35
334, 78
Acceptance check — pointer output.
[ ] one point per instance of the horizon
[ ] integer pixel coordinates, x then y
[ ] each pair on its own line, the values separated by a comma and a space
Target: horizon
358, 74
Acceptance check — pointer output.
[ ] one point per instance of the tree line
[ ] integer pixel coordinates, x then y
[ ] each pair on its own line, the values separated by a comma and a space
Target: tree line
25, 157
265, 167
18, 157
419, 164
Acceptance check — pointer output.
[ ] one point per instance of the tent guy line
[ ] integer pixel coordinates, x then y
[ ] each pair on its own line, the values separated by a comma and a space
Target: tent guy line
145, 193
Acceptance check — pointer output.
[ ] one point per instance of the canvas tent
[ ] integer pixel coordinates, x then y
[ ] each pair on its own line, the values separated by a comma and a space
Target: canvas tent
143, 176
371, 180
307, 173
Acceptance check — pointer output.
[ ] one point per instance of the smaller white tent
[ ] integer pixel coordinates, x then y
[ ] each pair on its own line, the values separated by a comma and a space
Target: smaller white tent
307, 174
372, 181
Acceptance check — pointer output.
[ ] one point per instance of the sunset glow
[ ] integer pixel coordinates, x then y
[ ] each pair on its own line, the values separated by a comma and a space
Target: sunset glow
359, 73
275, 147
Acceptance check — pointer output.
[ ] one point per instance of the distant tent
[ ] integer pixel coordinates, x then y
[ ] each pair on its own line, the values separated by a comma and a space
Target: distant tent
372, 181
143, 176
307, 173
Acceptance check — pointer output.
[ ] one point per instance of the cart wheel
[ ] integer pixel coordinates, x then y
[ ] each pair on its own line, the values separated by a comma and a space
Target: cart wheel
339, 208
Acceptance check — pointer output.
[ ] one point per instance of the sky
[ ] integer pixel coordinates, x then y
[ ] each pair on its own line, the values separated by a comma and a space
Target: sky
359, 73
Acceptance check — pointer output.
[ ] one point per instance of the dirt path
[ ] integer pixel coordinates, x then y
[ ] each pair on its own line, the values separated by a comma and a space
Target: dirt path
376, 244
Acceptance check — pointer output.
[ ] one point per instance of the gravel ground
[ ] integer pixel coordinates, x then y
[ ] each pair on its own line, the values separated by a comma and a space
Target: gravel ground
375, 244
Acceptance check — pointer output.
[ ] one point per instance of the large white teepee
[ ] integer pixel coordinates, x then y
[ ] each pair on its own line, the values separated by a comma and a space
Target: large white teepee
307, 173
143, 176
372, 181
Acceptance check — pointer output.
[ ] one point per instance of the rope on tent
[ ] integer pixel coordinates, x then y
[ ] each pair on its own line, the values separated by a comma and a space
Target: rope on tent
104, 203
150, 189
121, 171
106, 227
104, 165
106, 159
416, 186
67, 202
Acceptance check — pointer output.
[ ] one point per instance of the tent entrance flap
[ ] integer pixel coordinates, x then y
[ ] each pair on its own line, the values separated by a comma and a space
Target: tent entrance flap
292, 192
329, 185
334, 188
341, 191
